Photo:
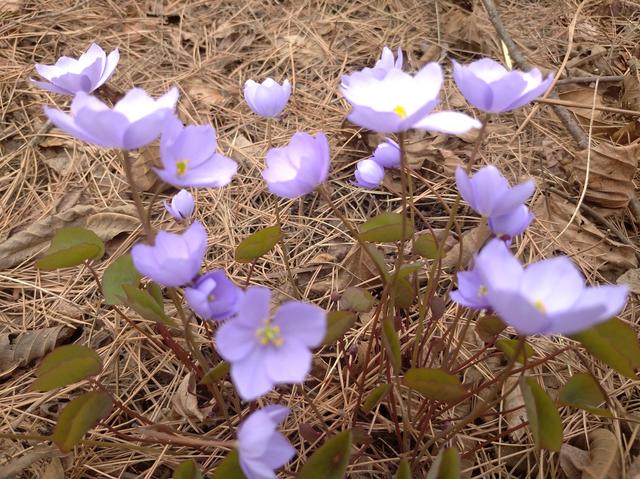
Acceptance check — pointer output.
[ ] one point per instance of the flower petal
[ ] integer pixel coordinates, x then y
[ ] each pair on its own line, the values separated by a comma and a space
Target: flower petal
452, 122
556, 283
513, 197
250, 377
289, 363
305, 322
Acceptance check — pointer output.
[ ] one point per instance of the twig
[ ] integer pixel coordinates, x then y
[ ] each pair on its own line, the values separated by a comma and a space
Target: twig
591, 79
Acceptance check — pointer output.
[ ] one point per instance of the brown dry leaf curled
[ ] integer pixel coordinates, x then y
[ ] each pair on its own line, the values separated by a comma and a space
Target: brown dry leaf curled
20, 350
632, 279
54, 470
472, 241
603, 461
631, 91
185, 402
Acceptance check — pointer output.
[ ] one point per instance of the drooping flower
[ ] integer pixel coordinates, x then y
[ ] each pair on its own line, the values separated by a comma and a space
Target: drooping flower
261, 448
489, 193
387, 154
189, 157
214, 296
268, 98
490, 87
135, 121
546, 297
69, 76
369, 174
265, 351
393, 101
298, 168
174, 259
181, 206
511, 224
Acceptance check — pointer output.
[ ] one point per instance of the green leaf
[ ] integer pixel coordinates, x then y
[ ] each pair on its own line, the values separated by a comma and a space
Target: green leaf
446, 465
385, 228
489, 326
66, 365
146, 305
615, 344
70, 247
229, 468
330, 461
583, 391
258, 244
435, 384
187, 470
404, 471
338, 323
119, 273
392, 343
407, 270
426, 246
403, 293
544, 420
357, 299
510, 346
155, 290
78, 417
374, 397
216, 373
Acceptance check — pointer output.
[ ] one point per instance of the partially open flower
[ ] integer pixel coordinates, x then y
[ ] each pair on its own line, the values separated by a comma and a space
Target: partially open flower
268, 98
387, 154
214, 296
298, 168
135, 121
69, 76
181, 206
490, 87
384, 65
511, 224
369, 174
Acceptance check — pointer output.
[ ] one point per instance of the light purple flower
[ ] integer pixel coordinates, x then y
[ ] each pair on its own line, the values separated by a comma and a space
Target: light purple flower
268, 98
265, 351
261, 448
546, 297
511, 224
489, 193
387, 154
369, 174
181, 206
490, 87
214, 296
174, 259
189, 157
298, 168
69, 76
135, 121
384, 65
394, 101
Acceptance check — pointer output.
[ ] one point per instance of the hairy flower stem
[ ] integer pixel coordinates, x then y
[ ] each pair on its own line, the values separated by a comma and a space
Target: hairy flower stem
285, 252
135, 194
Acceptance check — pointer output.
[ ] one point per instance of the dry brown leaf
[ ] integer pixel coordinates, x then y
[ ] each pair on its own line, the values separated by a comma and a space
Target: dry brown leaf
634, 468
470, 31
582, 235
185, 402
54, 470
584, 96
19, 350
603, 461
512, 401
573, 461
627, 134
203, 93
105, 223
611, 174
631, 92
145, 178
632, 279
11, 6
15, 467
472, 240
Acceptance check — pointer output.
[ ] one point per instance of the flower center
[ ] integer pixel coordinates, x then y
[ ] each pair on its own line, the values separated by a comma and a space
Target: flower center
211, 298
269, 334
482, 290
181, 167
400, 111
539, 305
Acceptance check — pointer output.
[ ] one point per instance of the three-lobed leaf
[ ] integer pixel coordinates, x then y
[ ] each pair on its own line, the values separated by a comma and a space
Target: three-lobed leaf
119, 273
446, 465
489, 326
435, 384
78, 417
426, 246
386, 228
544, 420
509, 347
584, 392
404, 470
216, 373
187, 470
331, 460
146, 304
375, 396
392, 343
229, 468
66, 365
338, 323
258, 244
357, 299
70, 247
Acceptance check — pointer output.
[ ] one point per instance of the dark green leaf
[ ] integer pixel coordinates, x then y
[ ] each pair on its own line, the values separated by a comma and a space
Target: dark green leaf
146, 305
258, 244
357, 299
120, 272
187, 470
615, 344
338, 323
374, 397
403, 293
78, 417
446, 465
404, 471
66, 365
330, 461
584, 392
426, 246
216, 373
510, 346
435, 384
155, 290
229, 468
386, 228
544, 420
70, 247
407, 270
489, 326
392, 343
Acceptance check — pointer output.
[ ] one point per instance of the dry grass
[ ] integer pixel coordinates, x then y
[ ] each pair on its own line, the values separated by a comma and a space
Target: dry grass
209, 48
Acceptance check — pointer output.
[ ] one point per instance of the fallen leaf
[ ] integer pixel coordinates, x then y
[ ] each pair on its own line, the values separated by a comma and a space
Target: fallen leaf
584, 96
203, 93
472, 241
18, 465
54, 470
144, 177
631, 91
19, 350
515, 417
632, 279
603, 461
469, 31
573, 461
185, 402
634, 468
11, 6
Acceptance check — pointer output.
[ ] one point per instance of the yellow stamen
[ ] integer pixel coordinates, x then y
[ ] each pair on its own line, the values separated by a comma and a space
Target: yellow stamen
539, 305
181, 167
269, 334
483, 290
400, 111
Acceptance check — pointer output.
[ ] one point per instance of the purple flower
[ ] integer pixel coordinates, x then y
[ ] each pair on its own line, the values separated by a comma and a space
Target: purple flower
384, 65
189, 157
181, 206
297, 169
69, 76
369, 174
135, 121
265, 351
214, 296
394, 101
268, 98
261, 448
546, 297
174, 259
489, 193
511, 224
387, 154
490, 87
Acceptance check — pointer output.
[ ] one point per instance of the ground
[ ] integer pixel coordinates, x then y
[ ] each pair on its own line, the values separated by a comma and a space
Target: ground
208, 49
